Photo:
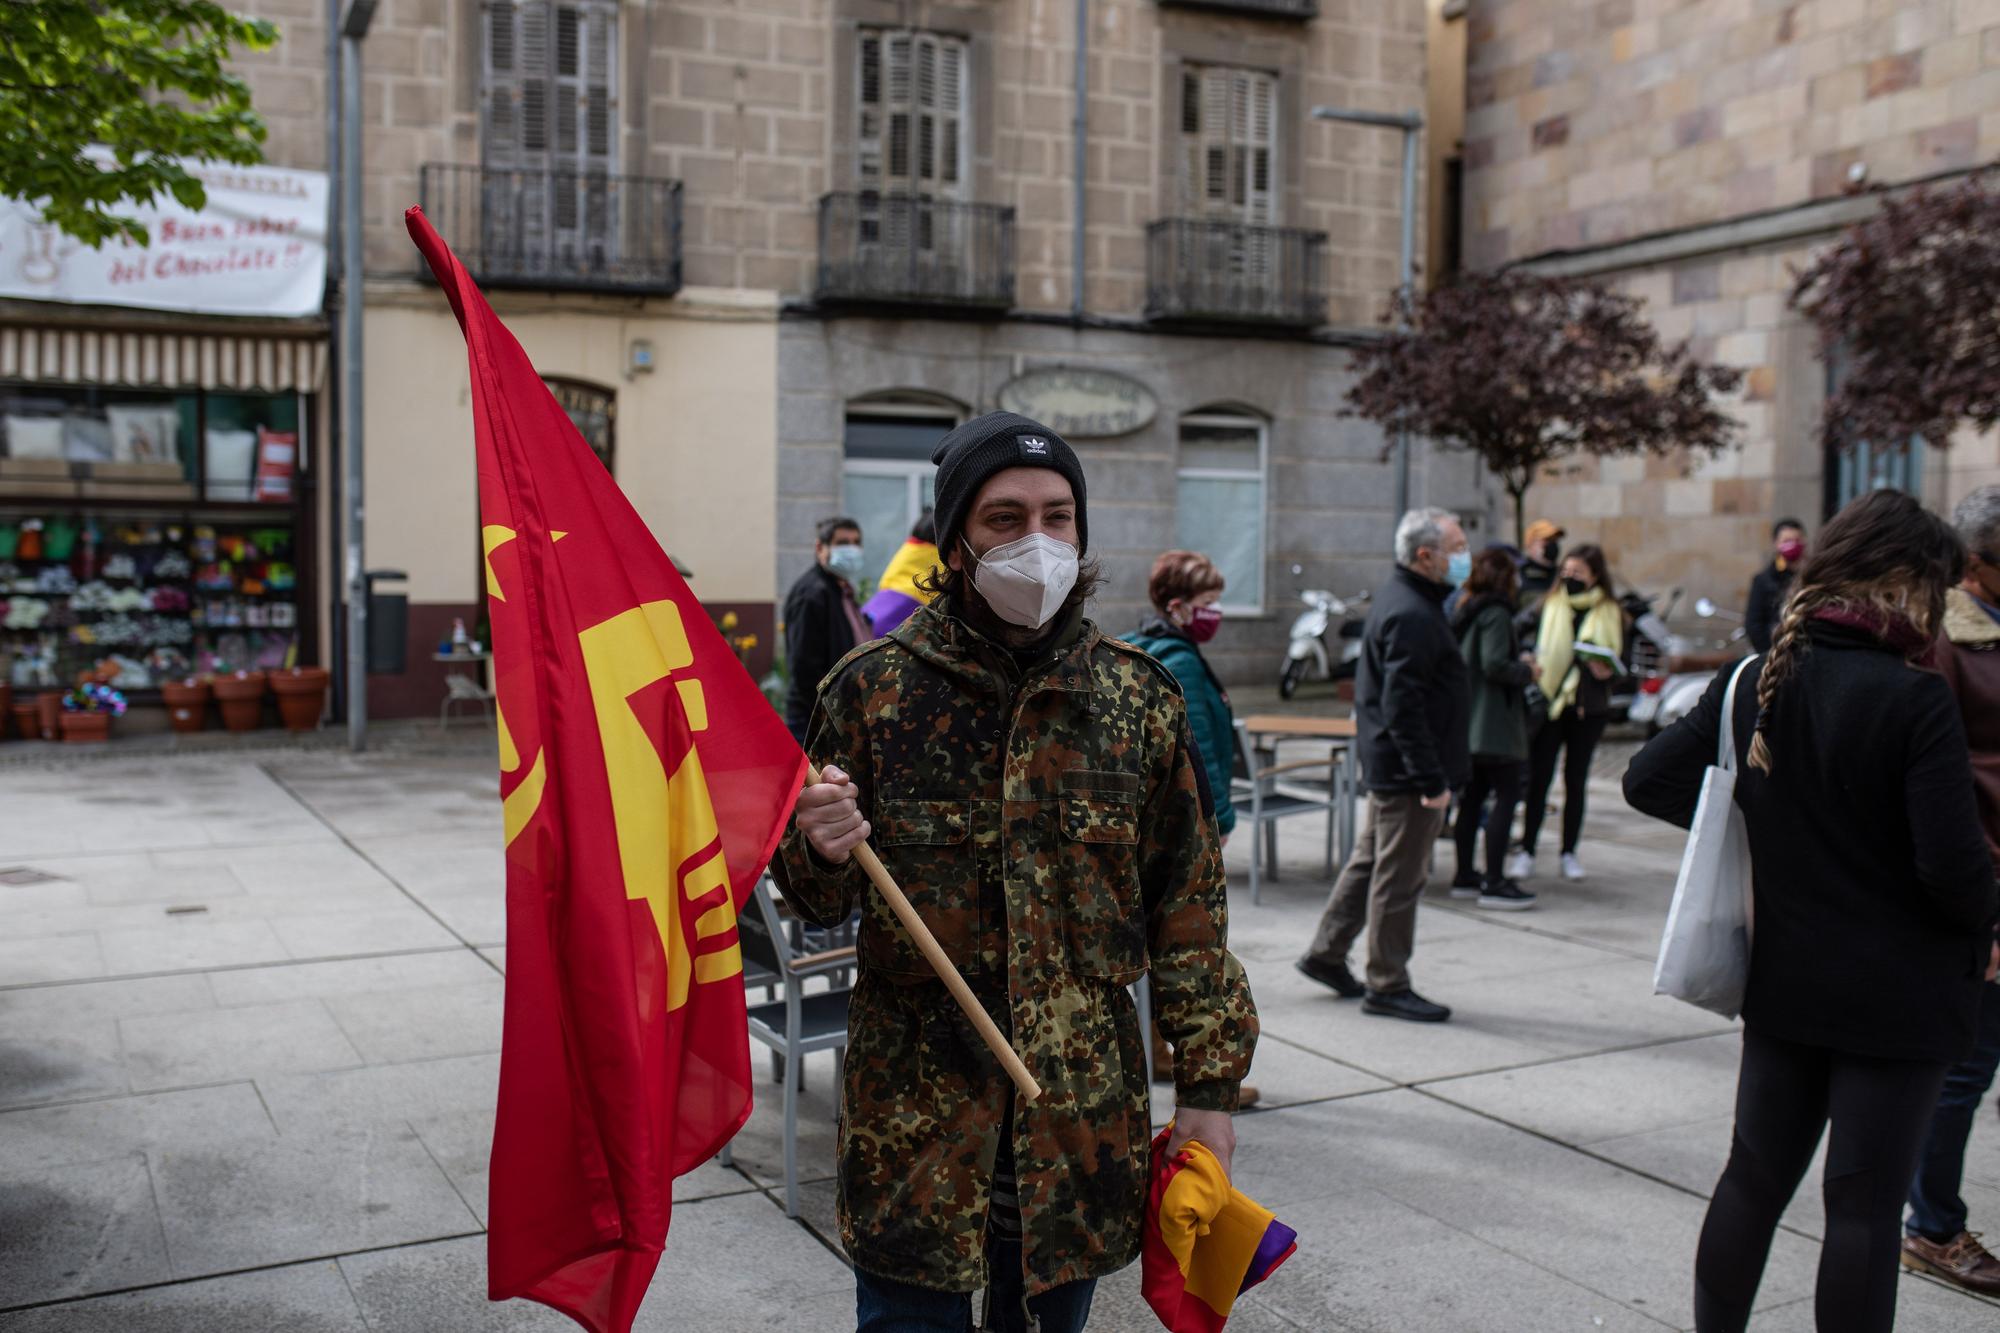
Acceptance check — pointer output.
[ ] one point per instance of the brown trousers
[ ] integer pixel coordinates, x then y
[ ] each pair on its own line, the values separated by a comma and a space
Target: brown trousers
1379, 888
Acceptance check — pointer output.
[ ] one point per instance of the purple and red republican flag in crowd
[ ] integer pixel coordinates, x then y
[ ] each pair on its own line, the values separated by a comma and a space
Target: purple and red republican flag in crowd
644, 782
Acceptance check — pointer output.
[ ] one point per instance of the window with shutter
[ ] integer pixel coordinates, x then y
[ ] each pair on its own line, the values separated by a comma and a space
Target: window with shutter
910, 114
1228, 140
549, 117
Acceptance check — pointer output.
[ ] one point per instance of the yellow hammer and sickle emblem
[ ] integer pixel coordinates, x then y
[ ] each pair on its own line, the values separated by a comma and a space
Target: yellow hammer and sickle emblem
665, 822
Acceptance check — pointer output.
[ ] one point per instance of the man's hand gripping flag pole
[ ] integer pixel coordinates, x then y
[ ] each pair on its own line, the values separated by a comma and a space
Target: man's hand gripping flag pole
899, 903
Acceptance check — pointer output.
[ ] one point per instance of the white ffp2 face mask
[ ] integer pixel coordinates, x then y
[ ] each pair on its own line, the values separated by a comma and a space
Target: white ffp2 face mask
1025, 581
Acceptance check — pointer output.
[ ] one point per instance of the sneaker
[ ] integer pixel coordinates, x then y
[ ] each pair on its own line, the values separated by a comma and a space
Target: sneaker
1506, 896
1961, 1261
1465, 886
1334, 976
1404, 1004
1520, 864
1572, 868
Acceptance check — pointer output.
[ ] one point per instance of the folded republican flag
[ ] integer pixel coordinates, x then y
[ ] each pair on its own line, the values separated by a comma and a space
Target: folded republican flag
897, 595
1205, 1243
644, 782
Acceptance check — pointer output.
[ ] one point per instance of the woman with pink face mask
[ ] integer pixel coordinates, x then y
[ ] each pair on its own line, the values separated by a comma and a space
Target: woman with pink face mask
1185, 587
1767, 590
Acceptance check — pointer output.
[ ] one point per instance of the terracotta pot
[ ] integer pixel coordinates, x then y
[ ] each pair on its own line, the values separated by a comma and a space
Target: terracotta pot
187, 703
6, 705
48, 714
81, 728
27, 720
242, 699
301, 696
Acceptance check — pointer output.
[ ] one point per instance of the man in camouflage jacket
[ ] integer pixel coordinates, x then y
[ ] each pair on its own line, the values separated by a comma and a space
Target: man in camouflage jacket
1034, 792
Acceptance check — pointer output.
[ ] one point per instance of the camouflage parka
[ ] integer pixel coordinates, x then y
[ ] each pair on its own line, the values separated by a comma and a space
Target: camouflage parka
1047, 824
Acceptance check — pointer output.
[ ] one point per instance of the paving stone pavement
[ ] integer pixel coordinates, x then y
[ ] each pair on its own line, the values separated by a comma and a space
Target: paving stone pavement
249, 1035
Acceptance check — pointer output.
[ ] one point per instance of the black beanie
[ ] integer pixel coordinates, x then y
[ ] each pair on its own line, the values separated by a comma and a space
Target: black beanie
971, 454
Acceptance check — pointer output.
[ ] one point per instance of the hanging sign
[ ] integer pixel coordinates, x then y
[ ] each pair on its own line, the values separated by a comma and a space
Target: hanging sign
257, 248
1081, 403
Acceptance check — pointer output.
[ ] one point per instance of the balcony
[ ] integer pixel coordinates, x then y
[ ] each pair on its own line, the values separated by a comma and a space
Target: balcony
907, 250
1210, 272
558, 230
1274, 9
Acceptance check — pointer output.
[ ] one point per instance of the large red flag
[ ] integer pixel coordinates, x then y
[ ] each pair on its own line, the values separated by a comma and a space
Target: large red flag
644, 782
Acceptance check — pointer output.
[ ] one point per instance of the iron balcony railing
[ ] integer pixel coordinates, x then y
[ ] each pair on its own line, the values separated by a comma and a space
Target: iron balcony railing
558, 230
911, 250
1277, 9
1202, 271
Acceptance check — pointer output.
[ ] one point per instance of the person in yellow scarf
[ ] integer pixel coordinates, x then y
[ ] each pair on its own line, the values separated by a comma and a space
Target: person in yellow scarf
1577, 652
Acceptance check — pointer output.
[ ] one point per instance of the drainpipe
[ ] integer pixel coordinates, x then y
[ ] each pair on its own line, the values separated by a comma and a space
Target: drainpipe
1081, 131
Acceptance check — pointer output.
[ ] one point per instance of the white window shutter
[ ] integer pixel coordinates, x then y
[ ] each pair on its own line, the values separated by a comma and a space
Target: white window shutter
1228, 144
868, 114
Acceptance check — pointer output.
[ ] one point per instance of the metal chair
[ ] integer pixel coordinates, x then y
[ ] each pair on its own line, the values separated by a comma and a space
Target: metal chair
799, 1023
1262, 800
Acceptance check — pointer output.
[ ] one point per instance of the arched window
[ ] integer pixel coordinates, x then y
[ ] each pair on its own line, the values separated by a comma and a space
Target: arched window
887, 479
1220, 508
594, 410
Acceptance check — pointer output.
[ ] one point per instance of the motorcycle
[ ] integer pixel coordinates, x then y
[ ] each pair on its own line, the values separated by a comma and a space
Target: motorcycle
1675, 670
1309, 656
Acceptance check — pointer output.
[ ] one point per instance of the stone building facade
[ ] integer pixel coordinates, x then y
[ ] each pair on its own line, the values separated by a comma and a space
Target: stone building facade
1696, 154
869, 212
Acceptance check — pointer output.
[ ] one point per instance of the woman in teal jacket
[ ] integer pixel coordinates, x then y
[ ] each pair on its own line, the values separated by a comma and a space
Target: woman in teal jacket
1185, 587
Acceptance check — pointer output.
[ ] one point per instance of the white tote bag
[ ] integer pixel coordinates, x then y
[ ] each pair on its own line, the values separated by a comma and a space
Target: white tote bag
1705, 950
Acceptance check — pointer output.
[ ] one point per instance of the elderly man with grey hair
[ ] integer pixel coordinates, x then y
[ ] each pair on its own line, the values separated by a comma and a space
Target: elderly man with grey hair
1936, 1239
1410, 706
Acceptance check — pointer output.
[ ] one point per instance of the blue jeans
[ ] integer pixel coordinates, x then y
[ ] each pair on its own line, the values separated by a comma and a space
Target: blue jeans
884, 1305
1937, 1210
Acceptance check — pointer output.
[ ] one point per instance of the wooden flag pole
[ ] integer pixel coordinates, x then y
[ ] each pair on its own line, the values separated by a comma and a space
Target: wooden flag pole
899, 903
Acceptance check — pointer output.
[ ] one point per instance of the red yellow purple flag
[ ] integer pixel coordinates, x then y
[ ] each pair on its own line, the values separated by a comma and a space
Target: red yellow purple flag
644, 782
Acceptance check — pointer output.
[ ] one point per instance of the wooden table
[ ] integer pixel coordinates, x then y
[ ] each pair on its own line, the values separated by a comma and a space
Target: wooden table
1268, 729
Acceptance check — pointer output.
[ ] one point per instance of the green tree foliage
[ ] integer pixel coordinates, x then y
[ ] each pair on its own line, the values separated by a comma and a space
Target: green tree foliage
145, 80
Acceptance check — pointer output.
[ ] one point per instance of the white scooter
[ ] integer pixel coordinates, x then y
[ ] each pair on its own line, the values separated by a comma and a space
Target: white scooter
1308, 657
1681, 675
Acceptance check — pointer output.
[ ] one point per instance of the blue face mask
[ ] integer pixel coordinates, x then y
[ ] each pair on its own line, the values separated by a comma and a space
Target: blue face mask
1458, 569
845, 562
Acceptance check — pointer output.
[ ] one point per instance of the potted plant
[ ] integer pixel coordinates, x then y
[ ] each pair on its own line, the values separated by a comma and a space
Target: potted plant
48, 714
187, 702
87, 711
301, 695
241, 695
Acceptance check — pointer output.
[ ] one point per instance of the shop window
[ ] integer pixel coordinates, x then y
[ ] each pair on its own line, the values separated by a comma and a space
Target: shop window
148, 536
888, 480
1220, 510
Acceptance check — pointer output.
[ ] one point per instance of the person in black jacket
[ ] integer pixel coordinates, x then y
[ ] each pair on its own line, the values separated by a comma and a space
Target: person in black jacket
822, 621
1874, 904
1770, 584
1410, 706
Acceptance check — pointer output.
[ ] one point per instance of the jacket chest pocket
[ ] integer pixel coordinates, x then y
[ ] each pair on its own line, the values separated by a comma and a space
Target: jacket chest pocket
926, 846
1104, 912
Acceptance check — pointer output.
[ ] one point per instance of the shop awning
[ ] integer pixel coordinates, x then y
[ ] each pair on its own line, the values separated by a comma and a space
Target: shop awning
263, 361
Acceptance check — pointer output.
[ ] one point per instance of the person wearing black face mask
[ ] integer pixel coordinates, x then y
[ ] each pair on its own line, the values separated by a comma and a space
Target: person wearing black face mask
1541, 548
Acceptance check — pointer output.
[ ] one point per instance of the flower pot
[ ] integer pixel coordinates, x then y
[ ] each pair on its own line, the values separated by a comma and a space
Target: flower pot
187, 703
48, 714
301, 696
27, 720
6, 705
85, 728
242, 699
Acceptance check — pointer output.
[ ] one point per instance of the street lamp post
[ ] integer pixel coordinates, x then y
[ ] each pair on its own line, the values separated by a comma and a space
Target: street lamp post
1409, 122
353, 29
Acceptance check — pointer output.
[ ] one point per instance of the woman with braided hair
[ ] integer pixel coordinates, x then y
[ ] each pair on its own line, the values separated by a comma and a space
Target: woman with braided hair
1874, 905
